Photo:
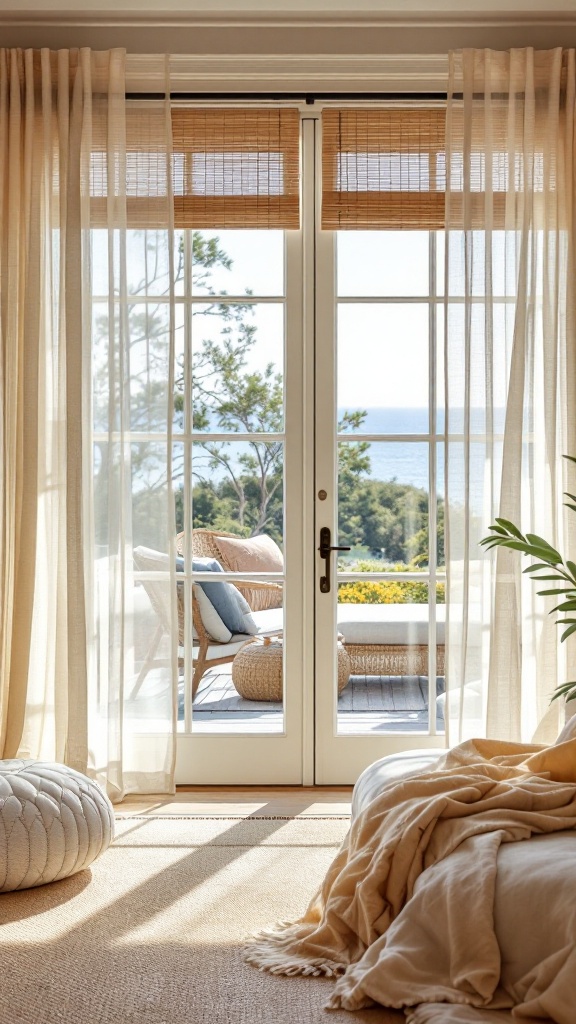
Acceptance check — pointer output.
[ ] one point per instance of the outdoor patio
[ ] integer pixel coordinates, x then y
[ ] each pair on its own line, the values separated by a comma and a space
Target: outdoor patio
368, 703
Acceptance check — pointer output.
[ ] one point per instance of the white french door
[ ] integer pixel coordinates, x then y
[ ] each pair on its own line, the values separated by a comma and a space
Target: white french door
356, 346
247, 460
379, 458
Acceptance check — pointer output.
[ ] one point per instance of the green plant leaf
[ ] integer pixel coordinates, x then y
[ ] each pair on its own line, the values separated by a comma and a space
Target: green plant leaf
536, 566
570, 458
556, 590
571, 507
556, 576
543, 545
565, 606
568, 632
566, 690
568, 495
537, 553
527, 549
509, 527
571, 566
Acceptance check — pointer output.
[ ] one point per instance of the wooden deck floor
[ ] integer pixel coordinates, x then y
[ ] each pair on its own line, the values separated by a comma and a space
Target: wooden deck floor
217, 694
368, 704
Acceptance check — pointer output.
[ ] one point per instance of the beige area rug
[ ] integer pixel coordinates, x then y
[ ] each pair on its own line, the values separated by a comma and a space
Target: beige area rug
153, 932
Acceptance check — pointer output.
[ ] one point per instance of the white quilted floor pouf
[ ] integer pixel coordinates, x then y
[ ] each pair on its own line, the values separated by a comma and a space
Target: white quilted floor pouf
54, 821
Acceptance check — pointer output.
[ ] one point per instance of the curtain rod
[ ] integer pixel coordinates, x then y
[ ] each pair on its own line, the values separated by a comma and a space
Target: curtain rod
303, 97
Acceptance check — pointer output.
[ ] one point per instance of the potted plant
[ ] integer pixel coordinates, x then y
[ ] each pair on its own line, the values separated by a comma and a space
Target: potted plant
549, 566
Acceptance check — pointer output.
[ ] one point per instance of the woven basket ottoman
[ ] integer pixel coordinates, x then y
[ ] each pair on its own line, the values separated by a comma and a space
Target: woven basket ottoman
257, 670
54, 821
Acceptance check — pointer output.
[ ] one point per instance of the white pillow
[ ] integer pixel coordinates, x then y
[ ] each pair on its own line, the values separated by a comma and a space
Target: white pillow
212, 622
569, 731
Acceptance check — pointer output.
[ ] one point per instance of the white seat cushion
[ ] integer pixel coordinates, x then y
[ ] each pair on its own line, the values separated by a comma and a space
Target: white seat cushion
270, 623
403, 624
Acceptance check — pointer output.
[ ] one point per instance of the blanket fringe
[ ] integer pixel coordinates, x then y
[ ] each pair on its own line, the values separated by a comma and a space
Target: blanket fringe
359, 1001
272, 950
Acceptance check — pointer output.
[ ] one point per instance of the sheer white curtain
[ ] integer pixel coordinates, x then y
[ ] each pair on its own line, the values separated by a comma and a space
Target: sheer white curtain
510, 365
133, 645
86, 391
45, 118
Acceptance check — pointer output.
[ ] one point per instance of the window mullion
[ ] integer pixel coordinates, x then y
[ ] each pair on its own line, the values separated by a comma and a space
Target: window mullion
432, 490
187, 482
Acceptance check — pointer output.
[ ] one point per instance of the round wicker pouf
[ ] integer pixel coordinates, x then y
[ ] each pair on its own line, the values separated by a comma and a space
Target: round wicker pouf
54, 821
257, 670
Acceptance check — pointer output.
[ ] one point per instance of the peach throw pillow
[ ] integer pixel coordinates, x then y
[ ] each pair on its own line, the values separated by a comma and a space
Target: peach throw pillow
253, 554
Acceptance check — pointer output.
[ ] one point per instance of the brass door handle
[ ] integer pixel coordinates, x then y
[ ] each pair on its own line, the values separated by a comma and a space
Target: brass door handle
326, 549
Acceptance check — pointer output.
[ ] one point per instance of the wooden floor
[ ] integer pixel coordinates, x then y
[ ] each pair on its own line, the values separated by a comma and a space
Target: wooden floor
244, 801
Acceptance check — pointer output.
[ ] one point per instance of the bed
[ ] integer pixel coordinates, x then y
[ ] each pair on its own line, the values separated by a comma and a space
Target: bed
454, 896
534, 920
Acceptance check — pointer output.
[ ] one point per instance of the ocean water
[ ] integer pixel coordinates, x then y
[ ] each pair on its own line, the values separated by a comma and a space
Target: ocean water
404, 461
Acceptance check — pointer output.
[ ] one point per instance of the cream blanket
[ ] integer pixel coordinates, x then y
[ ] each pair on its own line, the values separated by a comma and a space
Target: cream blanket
405, 926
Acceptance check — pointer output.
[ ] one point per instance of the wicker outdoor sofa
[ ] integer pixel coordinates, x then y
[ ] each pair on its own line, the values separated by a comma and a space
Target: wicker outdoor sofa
207, 651
390, 639
387, 639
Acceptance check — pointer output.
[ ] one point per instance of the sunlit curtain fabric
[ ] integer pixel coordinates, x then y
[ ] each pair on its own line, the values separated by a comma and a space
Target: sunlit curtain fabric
133, 641
75, 362
45, 109
510, 374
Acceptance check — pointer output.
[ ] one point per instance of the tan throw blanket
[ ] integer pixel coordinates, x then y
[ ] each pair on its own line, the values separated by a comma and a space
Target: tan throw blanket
368, 924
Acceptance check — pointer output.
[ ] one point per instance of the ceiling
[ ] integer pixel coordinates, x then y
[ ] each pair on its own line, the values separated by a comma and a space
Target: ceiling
288, 26
304, 8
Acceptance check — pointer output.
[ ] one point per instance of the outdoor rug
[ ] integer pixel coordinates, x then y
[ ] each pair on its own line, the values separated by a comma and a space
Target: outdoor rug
153, 932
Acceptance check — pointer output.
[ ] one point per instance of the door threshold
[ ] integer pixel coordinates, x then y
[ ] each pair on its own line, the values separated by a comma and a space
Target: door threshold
243, 801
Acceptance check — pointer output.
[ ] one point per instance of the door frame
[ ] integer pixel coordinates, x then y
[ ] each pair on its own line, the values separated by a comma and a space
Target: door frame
309, 751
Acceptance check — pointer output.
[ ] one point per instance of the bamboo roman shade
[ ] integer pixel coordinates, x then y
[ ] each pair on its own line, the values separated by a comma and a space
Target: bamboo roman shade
383, 168
236, 168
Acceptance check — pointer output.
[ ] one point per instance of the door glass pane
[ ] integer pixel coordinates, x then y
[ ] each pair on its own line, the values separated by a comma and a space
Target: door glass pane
229, 494
237, 368
391, 263
148, 265
246, 622
383, 366
387, 600
237, 262
383, 656
383, 502
383, 614
237, 488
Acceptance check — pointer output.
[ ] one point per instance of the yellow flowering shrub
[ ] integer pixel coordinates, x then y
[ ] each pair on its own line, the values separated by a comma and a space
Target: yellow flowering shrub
388, 592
